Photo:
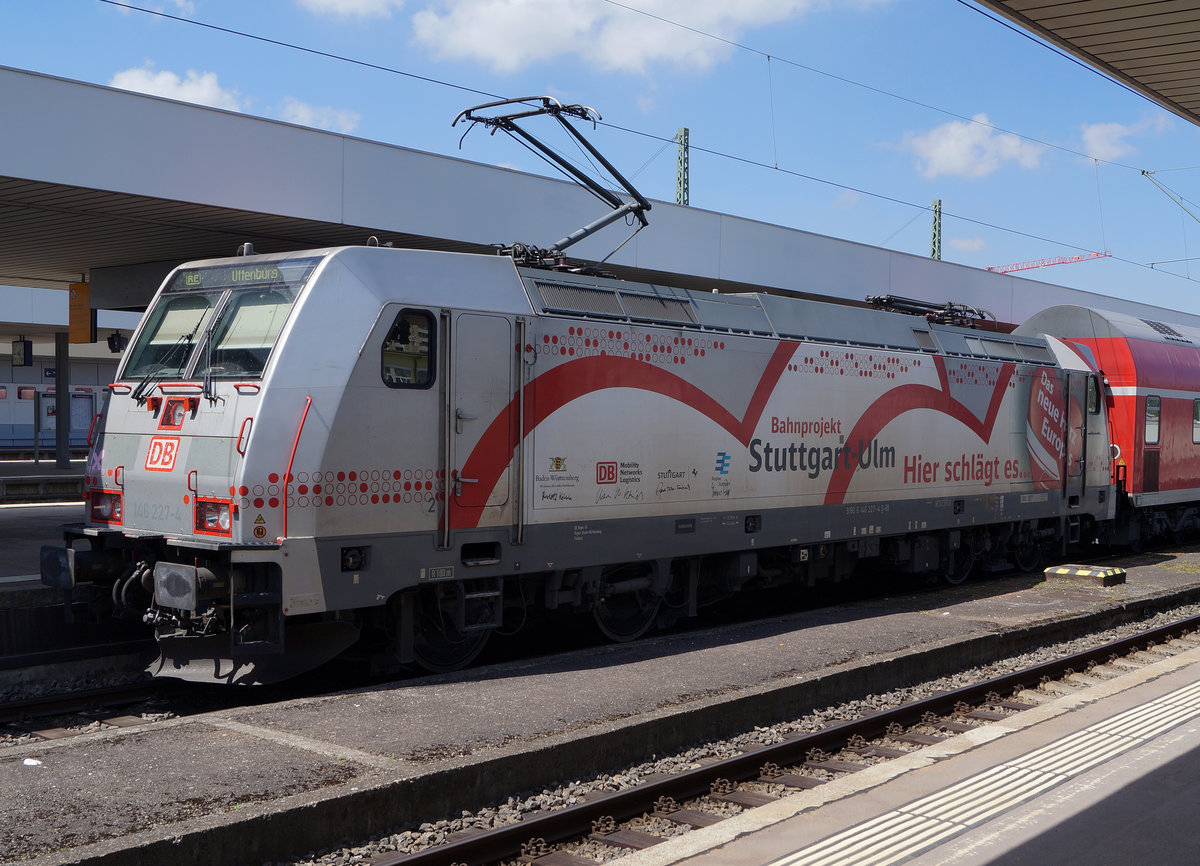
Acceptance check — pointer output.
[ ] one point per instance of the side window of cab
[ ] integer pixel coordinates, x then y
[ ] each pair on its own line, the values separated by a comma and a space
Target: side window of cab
407, 357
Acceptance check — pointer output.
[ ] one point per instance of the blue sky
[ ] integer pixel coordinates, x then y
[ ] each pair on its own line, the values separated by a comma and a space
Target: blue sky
841, 117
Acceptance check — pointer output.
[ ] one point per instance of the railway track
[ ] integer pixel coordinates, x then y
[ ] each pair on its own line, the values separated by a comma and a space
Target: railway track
41, 716
707, 794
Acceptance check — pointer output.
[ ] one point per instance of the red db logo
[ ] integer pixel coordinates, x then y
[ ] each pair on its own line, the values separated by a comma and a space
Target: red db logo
606, 473
160, 456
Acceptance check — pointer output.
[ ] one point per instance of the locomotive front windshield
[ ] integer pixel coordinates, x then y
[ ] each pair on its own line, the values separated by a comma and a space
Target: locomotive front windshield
218, 321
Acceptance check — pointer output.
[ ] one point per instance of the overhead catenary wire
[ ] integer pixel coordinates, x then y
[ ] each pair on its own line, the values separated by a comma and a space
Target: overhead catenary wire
294, 47
915, 217
881, 91
1054, 48
733, 43
709, 151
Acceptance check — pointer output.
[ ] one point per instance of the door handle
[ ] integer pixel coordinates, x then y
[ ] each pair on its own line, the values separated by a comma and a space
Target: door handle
459, 417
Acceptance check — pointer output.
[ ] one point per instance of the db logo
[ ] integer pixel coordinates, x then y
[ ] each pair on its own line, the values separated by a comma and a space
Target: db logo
160, 456
606, 473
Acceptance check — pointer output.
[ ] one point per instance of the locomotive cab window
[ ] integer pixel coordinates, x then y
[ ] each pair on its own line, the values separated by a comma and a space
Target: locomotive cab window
246, 332
407, 351
1093, 396
1196, 421
217, 321
1153, 414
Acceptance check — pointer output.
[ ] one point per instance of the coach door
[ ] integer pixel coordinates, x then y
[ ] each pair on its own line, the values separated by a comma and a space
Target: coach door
479, 430
1077, 435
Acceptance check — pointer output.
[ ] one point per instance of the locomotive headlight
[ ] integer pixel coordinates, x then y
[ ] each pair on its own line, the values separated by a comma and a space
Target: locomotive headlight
106, 506
177, 409
214, 517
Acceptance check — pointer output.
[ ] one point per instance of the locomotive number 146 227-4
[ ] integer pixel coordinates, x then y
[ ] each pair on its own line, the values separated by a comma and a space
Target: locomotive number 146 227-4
155, 511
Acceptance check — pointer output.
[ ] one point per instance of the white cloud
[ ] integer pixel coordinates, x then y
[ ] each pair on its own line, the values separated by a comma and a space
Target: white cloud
971, 150
352, 8
847, 199
1106, 141
968, 245
319, 116
198, 87
509, 35
183, 7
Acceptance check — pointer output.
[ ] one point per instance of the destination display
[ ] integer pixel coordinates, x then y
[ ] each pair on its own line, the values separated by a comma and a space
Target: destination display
283, 272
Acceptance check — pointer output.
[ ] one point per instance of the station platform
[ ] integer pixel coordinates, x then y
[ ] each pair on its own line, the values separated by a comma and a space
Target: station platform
1104, 775
32, 617
24, 528
40, 481
255, 784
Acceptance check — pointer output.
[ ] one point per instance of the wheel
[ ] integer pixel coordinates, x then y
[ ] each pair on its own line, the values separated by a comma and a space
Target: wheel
438, 645
628, 613
1027, 558
958, 568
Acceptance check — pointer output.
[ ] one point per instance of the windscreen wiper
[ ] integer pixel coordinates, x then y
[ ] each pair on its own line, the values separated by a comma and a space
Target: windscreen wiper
151, 378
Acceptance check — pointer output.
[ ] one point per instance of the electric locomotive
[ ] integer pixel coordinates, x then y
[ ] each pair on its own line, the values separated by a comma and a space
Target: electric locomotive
397, 452
394, 453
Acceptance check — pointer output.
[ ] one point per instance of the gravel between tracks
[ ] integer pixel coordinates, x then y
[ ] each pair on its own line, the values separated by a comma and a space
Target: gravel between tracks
559, 794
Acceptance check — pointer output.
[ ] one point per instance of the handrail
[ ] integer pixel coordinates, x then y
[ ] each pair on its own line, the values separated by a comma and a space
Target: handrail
287, 475
519, 457
447, 347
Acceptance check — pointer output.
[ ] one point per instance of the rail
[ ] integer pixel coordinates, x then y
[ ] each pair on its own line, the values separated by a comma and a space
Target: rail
507, 842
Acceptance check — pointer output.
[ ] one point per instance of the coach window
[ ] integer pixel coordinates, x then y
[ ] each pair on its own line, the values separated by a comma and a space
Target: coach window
1196, 422
408, 349
1153, 413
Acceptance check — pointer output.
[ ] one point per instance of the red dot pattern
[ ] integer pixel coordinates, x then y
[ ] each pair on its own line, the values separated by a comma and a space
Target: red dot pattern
347, 488
974, 373
650, 347
848, 362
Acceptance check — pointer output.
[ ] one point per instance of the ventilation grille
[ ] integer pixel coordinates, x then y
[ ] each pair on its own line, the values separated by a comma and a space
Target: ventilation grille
655, 309
612, 304
1167, 331
560, 298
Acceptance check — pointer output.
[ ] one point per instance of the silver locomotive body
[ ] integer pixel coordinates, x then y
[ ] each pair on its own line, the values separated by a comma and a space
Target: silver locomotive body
396, 452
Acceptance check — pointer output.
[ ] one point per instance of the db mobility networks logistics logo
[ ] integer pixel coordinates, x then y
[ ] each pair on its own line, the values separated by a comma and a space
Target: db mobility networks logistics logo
606, 473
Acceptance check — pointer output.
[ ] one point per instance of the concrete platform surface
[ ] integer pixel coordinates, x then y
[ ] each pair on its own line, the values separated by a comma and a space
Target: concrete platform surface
1106, 774
41, 480
246, 785
24, 529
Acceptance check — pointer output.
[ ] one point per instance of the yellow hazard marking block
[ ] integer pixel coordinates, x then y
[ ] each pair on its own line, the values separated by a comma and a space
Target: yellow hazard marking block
1090, 574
